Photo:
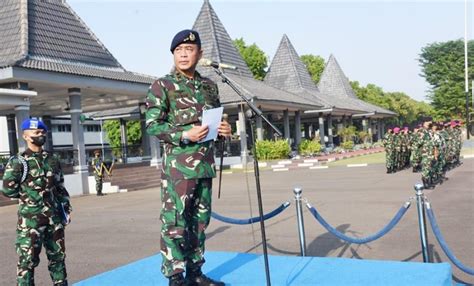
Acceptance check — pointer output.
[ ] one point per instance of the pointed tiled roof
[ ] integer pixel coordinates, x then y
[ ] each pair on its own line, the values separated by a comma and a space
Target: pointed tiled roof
334, 84
287, 71
217, 44
50, 36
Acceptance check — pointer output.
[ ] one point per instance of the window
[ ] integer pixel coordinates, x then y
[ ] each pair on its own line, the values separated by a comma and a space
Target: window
64, 128
92, 128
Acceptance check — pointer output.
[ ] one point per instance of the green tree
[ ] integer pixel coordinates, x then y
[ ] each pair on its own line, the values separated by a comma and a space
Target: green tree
315, 66
442, 66
408, 109
254, 57
112, 128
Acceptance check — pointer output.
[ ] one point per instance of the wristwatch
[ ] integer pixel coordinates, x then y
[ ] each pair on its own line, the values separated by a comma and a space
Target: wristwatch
185, 138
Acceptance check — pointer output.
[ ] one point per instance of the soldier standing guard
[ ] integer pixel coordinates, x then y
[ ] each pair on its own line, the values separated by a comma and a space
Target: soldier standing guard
175, 104
36, 179
98, 168
389, 151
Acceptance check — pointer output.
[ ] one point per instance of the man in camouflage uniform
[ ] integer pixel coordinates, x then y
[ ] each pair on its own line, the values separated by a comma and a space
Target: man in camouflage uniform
389, 151
428, 154
36, 179
406, 149
397, 147
175, 104
443, 153
415, 150
458, 142
98, 168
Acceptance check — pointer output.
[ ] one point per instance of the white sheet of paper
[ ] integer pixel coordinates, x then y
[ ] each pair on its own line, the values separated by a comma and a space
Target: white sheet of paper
212, 118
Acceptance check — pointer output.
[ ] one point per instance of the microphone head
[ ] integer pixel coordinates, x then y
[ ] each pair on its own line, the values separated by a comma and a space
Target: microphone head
204, 62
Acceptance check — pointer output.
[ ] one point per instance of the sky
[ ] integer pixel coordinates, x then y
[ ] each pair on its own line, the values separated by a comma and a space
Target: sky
376, 42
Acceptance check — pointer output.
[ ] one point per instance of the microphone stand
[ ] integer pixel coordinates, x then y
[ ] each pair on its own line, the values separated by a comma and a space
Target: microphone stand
255, 112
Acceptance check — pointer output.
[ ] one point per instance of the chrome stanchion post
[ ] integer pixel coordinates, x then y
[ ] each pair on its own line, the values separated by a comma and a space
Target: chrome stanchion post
420, 204
299, 216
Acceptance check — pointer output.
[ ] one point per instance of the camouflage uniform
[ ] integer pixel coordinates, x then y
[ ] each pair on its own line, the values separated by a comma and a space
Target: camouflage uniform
397, 143
174, 105
389, 152
98, 174
457, 144
415, 151
427, 156
39, 219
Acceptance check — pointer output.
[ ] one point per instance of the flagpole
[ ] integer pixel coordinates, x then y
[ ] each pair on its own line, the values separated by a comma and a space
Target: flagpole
466, 71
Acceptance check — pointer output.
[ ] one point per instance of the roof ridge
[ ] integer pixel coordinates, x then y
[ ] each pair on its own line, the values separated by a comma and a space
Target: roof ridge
213, 28
90, 32
293, 62
23, 29
75, 63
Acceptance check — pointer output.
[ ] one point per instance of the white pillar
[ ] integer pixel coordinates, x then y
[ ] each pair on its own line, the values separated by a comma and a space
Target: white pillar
297, 128
80, 161
258, 122
286, 124
321, 130
243, 138
365, 126
22, 112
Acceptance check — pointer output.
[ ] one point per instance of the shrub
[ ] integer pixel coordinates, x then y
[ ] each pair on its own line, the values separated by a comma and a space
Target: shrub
272, 149
364, 136
347, 133
347, 145
309, 147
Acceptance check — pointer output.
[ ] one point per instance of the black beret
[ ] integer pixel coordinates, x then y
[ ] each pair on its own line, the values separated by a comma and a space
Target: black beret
185, 36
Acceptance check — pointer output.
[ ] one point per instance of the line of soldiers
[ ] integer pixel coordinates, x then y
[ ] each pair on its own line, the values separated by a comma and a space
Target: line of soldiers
432, 148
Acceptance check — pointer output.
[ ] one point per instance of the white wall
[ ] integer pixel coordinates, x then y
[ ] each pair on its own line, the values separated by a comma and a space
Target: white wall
65, 138
4, 135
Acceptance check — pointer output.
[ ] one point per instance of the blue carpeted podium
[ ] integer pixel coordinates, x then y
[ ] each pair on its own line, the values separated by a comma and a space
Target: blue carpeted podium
248, 269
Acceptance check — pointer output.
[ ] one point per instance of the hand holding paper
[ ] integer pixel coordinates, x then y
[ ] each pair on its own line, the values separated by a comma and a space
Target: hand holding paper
212, 119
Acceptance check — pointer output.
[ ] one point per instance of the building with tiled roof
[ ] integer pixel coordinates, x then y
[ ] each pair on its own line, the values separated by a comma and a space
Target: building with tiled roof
52, 64
334, 93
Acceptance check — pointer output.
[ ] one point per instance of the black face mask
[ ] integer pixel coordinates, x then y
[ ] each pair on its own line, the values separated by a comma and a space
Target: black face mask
38, 140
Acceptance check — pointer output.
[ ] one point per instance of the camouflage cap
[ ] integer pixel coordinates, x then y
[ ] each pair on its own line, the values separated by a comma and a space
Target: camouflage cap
185, 36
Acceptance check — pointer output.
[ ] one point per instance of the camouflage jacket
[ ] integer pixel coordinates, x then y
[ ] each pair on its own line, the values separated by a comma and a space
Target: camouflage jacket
175, 104
97, 166
43, 187
388, 141
427, 144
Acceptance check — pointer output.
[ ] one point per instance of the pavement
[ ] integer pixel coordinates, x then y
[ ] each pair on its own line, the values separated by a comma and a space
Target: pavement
111, 231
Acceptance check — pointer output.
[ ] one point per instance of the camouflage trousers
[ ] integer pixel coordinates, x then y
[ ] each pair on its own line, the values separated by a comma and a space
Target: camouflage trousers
415, 158
32, 234
185, 215
390, 159
98, 183
426, 167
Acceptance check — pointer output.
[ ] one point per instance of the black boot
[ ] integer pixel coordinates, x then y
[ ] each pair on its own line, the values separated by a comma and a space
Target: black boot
177, 280
61, 284
197, 278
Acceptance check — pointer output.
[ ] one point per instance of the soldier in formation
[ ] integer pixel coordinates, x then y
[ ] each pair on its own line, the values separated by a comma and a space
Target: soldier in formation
34, 177
175, 104
432, 149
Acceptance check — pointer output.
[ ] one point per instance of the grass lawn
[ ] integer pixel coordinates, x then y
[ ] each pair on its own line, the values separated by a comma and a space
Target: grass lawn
377, 158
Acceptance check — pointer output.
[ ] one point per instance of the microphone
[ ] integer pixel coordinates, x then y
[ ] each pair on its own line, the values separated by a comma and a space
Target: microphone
209, 63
